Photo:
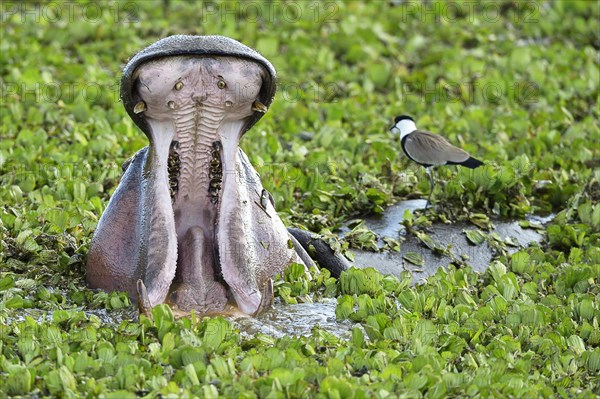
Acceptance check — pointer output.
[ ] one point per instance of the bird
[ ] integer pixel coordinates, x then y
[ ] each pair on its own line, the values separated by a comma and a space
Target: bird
429, 149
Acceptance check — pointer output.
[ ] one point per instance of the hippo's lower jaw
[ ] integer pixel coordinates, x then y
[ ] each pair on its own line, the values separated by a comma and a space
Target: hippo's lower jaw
204, 308
199, 231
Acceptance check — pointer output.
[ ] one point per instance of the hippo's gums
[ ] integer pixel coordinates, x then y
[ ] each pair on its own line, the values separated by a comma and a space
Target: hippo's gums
190, 222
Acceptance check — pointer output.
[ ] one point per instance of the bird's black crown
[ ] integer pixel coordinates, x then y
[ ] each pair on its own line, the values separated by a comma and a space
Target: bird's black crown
402, 117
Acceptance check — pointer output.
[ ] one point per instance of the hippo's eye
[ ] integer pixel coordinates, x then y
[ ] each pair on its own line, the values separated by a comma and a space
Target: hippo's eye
178, 85
221, 84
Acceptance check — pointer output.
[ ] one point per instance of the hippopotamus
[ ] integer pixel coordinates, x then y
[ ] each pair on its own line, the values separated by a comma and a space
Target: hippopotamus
190, 223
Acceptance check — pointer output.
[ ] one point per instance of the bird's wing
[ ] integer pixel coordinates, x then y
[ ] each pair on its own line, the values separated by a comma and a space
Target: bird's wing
431, 149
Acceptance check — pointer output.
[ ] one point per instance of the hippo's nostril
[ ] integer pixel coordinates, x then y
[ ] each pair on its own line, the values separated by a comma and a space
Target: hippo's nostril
171, 104
228, 103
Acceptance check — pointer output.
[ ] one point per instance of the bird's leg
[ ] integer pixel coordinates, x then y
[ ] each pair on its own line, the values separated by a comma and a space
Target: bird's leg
431, 184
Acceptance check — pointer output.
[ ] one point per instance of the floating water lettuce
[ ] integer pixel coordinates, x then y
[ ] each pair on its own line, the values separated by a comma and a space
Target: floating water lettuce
518, 90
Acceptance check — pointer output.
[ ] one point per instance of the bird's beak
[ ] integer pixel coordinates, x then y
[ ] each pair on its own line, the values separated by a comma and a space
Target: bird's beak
258, 106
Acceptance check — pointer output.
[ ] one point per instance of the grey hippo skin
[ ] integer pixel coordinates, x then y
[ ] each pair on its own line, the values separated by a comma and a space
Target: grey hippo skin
190, 218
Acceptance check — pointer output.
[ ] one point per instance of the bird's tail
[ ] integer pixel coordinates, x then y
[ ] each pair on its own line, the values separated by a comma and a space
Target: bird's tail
472, 163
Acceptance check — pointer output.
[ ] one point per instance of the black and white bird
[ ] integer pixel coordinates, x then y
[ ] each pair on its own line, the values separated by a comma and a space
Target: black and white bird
428, 149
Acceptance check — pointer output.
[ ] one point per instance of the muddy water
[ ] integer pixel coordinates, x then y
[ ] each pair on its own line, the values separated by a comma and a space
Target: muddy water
296, 320
300, 319
279, 321
448, 236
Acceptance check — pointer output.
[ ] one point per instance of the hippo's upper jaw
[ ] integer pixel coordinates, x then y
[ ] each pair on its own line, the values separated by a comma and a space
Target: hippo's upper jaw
189, 217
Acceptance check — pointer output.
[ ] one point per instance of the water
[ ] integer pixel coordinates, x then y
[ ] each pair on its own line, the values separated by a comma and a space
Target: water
388, 224
450, 237
301, 319
281, 320
296, 320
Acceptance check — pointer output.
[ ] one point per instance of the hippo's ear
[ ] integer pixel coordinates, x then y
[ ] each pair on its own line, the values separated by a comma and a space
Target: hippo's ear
268, 86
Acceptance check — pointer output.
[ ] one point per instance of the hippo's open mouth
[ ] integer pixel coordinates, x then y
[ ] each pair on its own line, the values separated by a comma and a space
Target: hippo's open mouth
196, 108
190, 217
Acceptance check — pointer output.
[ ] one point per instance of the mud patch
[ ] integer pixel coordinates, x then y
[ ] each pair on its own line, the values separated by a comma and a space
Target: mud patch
451, 237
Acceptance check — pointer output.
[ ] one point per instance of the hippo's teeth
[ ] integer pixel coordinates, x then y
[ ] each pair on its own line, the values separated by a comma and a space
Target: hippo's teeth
174, 170
139, 107
258, 106
267, 298
144, 305
215, 172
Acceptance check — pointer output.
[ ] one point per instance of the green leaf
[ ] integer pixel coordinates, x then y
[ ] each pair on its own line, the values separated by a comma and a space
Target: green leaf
6, 283
19, 380
217, 330
335, 387
414, 258
358, 337
476, 237
593, 363
521, 262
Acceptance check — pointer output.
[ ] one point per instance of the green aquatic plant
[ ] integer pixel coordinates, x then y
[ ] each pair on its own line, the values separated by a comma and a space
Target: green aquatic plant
514, 83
